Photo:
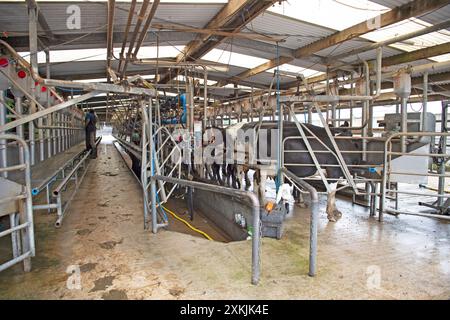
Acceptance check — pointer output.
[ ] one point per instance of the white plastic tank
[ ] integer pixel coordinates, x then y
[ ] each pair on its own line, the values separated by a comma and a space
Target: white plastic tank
402, 84
360, 87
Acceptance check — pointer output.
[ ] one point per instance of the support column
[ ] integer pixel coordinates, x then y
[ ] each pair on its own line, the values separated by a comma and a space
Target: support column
19, 129
280, 135
153, 190
443, 150
425, 100
310, 115
54, 133
370, 115
365, 111
49, 117
333, 115
3, 153
404, 123
32, 29
58, 121
205, 98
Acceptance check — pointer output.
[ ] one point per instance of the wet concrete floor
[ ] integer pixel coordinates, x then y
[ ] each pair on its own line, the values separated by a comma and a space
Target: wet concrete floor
102, 252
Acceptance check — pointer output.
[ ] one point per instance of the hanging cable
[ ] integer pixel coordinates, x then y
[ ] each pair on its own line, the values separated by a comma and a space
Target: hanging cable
280, 121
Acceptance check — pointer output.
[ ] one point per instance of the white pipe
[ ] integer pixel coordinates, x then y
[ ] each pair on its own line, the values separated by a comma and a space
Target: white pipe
33, 39
329, 98
49, 117
378, 72
404, 124
19, 130
205, 97
425, 100
430, 67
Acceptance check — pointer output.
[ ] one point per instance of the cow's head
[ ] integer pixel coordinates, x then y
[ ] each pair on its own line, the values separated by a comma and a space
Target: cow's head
343, 130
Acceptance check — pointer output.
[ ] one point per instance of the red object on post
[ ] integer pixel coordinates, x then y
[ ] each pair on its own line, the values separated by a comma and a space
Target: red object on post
4, 62
21, 74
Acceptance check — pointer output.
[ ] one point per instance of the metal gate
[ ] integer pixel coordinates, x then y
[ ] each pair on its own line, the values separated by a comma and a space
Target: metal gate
16, 202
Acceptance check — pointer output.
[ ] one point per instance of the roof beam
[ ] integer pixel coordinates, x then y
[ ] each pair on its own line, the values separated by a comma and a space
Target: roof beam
144, 31
400, 38
127, 31
137, 27
417, 55
397, 14
230, 10
109, 36
232, 18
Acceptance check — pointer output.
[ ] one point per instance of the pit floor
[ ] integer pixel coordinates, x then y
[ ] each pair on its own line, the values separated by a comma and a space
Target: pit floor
405, 257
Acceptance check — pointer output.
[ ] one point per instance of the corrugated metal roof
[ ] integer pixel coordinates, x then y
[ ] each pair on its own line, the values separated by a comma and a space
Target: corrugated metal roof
13, 16
303, 33
354, 44
80, 68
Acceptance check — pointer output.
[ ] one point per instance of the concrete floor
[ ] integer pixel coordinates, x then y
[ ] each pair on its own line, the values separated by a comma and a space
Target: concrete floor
359, 258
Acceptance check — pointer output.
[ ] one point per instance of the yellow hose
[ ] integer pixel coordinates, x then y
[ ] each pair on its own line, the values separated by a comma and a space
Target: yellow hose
188, 224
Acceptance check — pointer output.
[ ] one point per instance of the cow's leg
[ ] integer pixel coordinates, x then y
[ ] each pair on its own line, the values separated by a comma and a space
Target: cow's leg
209, 171
247, 179
239, 175
216, 173
242, 178
224, 174
232, 174
200, 170
333, 213
256, 179
227, 176
299, 199
220, 178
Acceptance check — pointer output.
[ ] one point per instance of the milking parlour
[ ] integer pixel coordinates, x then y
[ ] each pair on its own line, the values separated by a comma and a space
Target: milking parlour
222, 150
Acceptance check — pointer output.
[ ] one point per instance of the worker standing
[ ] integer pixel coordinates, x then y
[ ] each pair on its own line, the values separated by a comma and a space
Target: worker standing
90, 122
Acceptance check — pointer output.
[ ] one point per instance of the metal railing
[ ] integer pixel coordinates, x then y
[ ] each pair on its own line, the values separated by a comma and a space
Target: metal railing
314, 219
78, 166
21, 226
336, 152
388, 172
250, 196
153, 161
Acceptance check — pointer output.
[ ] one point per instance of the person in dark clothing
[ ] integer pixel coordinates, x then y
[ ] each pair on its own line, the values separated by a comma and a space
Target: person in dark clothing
90, 122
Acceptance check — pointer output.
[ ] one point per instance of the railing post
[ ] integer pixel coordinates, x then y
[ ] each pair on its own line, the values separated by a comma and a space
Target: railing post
3, 143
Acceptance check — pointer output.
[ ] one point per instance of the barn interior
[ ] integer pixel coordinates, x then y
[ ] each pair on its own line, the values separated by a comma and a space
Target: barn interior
171, 197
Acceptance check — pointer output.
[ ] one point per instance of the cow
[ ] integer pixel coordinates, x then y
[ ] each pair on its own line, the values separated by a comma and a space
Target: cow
217, 164
324, 158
